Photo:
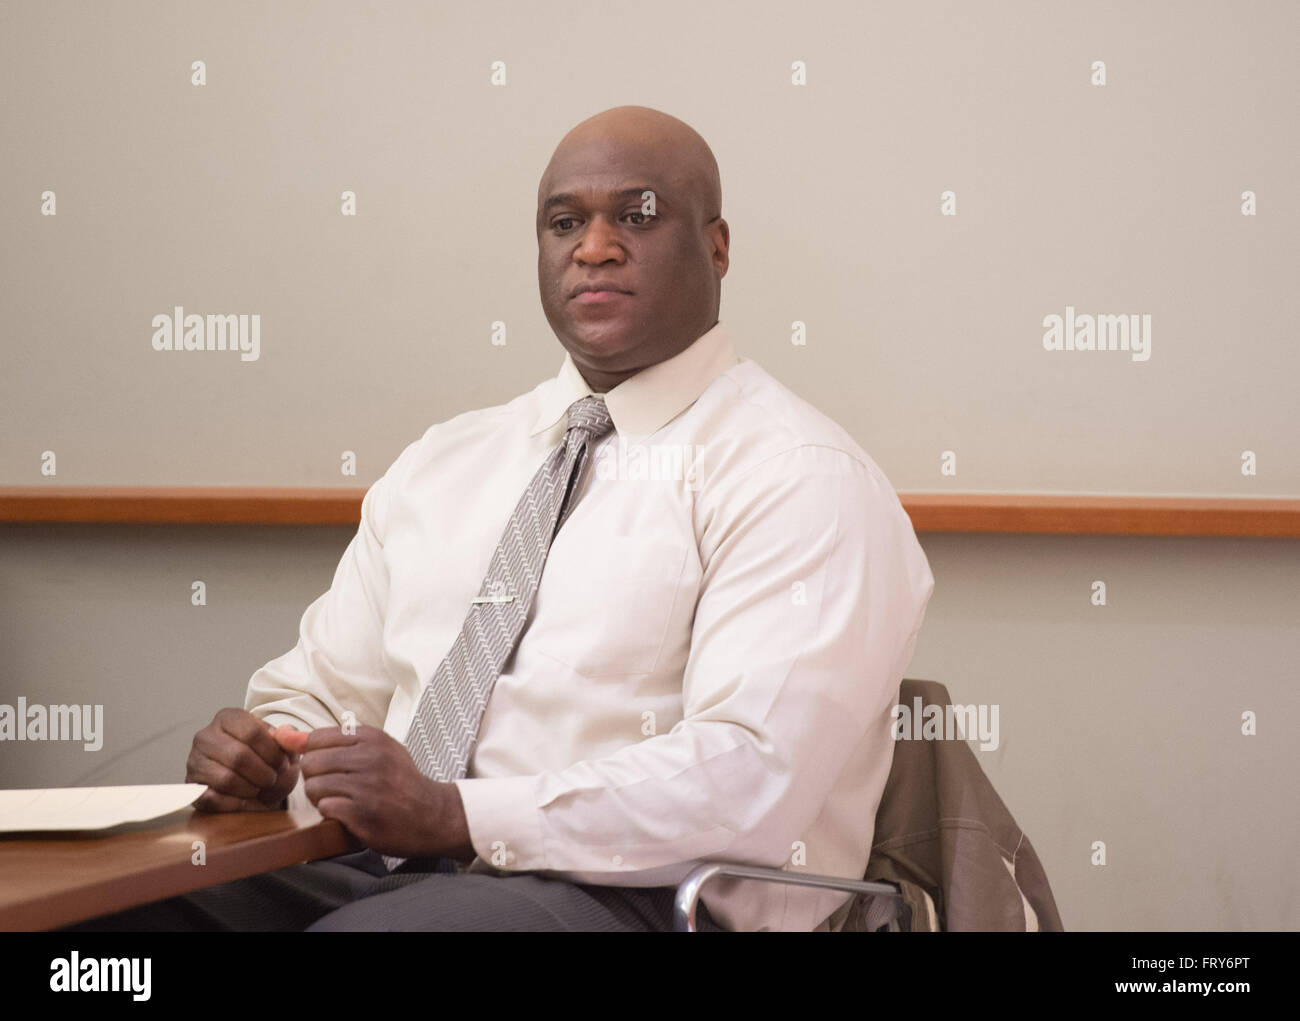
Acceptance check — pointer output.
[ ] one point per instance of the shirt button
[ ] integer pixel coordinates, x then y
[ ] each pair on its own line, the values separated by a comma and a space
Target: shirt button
618, 859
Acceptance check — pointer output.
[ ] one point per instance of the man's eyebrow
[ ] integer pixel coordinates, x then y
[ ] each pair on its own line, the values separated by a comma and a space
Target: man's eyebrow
565, 198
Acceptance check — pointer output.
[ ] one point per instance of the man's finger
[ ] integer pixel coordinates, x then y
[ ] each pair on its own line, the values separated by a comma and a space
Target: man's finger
342, 809
243, 760
320, 761
328, 785
291, 740
331, 737
222, 779
247, 729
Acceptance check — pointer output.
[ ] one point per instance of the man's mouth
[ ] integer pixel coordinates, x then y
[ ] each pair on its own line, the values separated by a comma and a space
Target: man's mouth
597, 291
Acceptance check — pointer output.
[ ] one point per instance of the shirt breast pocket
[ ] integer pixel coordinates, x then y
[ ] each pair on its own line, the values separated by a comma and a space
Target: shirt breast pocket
604, 604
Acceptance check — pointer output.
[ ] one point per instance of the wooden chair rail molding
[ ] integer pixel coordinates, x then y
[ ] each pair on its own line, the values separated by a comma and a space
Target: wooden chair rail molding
1015, 513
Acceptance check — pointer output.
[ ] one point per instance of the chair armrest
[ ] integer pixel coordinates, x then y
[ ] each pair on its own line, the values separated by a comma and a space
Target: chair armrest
688, 891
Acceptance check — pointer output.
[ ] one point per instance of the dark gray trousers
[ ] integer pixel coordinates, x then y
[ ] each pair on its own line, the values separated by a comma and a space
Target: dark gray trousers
356, 893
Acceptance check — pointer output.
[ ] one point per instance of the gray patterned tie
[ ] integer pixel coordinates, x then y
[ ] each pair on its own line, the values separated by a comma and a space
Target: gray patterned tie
451, 706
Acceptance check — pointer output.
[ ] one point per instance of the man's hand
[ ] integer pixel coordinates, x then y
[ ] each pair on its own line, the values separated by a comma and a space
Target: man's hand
369, 783
245, 768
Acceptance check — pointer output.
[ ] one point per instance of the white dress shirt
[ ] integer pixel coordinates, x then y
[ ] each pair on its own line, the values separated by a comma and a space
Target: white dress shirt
716, 643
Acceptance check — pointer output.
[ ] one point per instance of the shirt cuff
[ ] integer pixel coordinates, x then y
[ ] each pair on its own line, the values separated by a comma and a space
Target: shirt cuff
504, 821
279, 719
298, 797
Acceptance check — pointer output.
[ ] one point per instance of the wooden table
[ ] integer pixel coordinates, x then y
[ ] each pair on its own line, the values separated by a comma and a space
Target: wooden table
48, 880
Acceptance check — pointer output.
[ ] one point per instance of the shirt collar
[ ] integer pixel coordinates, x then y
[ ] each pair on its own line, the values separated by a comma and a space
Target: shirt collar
646, 402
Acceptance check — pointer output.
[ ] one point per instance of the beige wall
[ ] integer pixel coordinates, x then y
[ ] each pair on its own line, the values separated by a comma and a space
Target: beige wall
924, 331
1118, 723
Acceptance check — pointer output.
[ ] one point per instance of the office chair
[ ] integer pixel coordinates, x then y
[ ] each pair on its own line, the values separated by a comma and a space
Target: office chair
886, 896
946, 853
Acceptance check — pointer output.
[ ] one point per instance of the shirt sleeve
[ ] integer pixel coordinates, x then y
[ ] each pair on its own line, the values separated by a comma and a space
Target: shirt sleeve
811, 597
337, 664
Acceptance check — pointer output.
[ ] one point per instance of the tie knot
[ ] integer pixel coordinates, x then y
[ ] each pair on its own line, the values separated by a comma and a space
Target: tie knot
590, 415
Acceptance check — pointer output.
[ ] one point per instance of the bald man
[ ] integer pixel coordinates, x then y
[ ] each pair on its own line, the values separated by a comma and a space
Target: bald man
681, 643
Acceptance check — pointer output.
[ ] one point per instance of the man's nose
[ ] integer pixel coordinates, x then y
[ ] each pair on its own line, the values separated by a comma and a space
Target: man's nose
599, 243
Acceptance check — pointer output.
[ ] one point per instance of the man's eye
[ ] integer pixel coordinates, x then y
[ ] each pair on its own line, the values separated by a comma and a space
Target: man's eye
555, 224
640, 214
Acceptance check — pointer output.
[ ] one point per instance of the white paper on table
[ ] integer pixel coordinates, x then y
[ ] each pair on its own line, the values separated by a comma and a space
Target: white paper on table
91, 808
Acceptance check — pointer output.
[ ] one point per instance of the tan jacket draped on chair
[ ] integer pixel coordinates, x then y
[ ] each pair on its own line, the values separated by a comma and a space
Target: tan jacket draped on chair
945, 837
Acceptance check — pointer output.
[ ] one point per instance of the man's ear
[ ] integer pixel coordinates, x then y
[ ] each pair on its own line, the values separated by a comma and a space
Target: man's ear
720, 234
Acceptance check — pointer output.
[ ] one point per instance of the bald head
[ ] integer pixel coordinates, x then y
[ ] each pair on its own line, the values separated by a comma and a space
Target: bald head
629, 210
641, 127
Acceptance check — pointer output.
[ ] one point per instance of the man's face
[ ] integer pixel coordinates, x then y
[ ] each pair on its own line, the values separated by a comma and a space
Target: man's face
658, 276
